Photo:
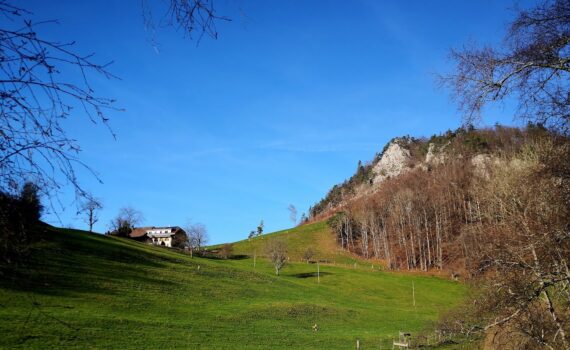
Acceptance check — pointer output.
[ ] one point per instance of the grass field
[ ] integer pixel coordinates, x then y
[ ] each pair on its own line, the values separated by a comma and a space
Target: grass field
89, 291
316, 236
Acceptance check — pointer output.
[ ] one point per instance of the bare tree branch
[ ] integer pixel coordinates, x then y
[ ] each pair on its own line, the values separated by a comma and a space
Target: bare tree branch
532, 66
35, 99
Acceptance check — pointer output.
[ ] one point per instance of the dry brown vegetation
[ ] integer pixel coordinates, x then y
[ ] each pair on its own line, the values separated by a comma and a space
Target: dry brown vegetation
414, 220
502, 222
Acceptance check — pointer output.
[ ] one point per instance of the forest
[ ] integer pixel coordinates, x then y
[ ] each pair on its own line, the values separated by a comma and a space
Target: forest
493, 210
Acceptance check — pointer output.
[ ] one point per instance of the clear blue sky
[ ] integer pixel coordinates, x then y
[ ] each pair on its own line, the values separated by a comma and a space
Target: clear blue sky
276, 111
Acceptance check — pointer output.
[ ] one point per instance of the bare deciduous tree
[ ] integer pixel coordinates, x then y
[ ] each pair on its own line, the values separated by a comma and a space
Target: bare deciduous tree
125, 221
44, 82
504, 221
276, 250
35, 99
189, 16
308, 254
532, 65
197, 235
519, 243
523, 245
90, 209
260, 228
292, 213
226, 250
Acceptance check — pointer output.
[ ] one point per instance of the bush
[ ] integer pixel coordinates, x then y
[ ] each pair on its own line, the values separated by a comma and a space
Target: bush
226, 251
19, 214
308, 254
30, 203
276, 250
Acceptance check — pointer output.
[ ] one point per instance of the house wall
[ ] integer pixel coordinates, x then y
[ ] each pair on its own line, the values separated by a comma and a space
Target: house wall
164, 241
175, 236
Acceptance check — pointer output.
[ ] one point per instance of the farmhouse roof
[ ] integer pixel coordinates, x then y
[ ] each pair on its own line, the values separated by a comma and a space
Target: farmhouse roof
139, 231
142, 231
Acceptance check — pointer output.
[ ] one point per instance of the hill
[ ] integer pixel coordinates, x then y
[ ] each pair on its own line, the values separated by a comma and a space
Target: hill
402, 155
420, 204
82, 290
490, 206
316, 236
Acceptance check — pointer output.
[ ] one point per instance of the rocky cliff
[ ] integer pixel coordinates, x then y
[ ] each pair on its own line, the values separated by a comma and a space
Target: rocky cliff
404, 154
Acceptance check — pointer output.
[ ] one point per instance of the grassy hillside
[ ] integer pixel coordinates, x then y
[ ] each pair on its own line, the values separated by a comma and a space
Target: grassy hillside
316, 236
89, 291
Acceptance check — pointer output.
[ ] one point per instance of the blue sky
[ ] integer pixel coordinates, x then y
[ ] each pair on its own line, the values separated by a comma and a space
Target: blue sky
276, 111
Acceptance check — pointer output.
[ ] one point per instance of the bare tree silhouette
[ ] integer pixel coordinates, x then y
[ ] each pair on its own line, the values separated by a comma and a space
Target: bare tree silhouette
532, 65
45, 82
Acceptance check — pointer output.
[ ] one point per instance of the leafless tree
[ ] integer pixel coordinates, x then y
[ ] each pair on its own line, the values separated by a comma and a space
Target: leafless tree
190, 16
43, 82
308, 254
35, 99
276, 250
532, 65
226, 250
523, 245
90, 208
126, 220
504, 222
197, 235
260, 228
292, 213
517, 238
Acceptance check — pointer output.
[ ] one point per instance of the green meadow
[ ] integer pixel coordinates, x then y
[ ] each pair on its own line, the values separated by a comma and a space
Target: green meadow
88, 291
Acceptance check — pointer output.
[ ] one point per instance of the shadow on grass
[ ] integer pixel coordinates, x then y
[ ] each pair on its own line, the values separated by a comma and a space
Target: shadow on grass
310, 274
239, 257
217, 257
65, 262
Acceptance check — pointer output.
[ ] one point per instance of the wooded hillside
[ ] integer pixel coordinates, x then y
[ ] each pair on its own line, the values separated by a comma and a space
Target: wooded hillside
493, 209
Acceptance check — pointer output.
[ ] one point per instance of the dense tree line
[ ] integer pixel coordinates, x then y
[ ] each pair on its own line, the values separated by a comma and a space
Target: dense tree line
19, 214
519, 246
518, 241
501, 217
413, 220
363, 177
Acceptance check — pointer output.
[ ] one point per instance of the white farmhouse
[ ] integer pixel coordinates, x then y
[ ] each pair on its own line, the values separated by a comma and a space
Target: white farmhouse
169, 236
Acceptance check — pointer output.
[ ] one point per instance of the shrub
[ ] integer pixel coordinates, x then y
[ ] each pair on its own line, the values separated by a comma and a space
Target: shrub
19, 214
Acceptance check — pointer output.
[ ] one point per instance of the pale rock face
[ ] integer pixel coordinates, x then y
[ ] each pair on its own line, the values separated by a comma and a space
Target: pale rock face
430, 154
481, 164
394, 162
433, 157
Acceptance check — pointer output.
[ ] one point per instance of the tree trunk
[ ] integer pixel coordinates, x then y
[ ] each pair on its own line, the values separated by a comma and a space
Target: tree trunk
555, 318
